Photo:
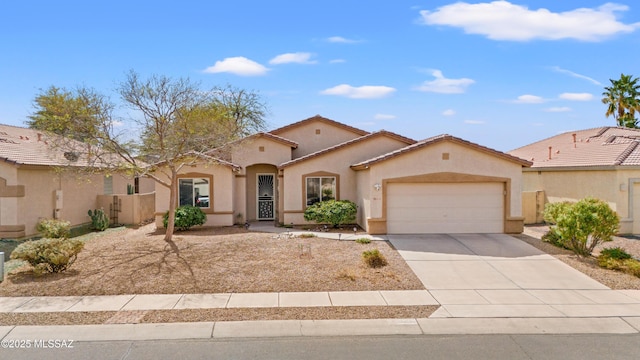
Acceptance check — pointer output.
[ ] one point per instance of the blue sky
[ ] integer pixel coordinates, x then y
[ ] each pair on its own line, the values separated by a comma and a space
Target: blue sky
501, 73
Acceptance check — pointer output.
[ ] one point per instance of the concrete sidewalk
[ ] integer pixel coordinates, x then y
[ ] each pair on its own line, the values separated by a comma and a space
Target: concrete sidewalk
214, 301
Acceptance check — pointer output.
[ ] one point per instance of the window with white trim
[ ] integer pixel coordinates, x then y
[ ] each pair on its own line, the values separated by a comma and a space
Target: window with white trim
194, 192
320, 188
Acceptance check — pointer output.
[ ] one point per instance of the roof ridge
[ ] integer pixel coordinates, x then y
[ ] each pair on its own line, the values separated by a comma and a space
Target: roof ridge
599, 128
324, 119
625, 154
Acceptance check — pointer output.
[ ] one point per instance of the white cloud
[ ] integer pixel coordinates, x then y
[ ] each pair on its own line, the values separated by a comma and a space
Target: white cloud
449, 112
502, 20
443, 85
384, 117
296, 58
474, 122
337, 61
361, 92
341, 40
239, 65
529, 99
576, 75
558, 109
576, 96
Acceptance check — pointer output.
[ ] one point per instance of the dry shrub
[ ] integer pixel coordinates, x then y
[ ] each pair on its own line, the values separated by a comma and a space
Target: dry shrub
374, 259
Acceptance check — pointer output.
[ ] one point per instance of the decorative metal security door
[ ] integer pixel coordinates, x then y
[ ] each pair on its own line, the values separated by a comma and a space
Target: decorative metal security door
265, 194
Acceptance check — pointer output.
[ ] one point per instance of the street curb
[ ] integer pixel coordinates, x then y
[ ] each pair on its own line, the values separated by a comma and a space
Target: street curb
322, 328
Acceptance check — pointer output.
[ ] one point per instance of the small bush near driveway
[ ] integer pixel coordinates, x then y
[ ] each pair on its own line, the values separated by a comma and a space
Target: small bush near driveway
582, 226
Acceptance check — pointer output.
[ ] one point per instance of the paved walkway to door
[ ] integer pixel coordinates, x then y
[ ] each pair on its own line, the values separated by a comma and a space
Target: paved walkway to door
497, 276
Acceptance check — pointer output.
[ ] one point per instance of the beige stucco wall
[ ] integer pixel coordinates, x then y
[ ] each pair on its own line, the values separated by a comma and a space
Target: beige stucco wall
9, 222
364, 197
462, 159
221, 212
247, 153
611, 186
78, 195
336, 162
309, 141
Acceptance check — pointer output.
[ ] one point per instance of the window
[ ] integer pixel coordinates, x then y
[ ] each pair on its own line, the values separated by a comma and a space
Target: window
320, 188
108, 185
194, 192
136, 185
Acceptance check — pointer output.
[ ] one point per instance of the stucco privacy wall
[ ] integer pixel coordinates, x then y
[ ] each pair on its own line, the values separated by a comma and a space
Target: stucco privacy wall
315, 136
220, 212
335, 163
614, 186
134, 209
431, 159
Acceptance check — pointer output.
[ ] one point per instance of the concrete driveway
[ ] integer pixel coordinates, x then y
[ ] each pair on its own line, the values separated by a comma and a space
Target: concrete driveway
496, 275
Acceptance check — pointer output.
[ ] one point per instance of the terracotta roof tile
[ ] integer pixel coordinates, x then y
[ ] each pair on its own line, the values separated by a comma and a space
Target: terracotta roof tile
24, 146
605, 146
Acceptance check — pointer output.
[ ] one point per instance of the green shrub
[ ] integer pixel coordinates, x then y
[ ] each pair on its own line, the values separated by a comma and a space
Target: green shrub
553, 210
583, 225
363, 240
48, 255
334, 212
54, 229
615, 253
552, 237
187, 216
99, 220
373, 258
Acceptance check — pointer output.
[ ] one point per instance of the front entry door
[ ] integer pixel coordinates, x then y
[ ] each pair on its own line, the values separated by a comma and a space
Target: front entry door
266, 191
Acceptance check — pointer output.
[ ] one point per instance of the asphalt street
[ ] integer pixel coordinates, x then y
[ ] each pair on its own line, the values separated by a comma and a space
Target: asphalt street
566, 347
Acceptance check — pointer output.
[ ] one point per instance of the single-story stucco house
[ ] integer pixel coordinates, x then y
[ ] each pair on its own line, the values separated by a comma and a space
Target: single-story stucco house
32, 187
603, 163
442, 184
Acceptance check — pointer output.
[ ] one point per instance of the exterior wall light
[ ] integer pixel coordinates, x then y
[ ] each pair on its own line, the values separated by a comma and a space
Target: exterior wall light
377, 186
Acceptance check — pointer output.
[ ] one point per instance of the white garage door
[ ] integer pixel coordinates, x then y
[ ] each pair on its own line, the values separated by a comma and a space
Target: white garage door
434, 208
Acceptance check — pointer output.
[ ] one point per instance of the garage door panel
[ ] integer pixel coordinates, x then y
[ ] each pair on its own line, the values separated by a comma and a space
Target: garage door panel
445, 208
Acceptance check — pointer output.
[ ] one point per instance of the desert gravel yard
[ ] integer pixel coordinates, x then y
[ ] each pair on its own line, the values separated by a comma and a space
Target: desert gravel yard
214, 260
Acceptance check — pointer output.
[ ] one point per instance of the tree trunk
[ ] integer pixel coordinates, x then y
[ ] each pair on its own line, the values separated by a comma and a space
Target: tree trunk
173, 195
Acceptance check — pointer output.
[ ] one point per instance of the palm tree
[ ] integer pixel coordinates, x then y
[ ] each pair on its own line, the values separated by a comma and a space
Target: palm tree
623, 100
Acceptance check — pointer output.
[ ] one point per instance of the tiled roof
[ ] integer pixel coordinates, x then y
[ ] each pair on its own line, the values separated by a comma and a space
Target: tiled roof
349, 143
24, 146
322, 119
605, 146
434, 140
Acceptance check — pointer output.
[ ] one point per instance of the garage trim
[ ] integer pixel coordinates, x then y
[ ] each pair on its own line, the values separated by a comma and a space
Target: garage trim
379, 225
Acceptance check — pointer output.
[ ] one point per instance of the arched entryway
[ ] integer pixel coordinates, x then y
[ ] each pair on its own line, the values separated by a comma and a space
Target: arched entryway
262, 195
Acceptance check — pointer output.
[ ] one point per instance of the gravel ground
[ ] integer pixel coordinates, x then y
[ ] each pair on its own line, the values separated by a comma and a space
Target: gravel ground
613, 279
215, 260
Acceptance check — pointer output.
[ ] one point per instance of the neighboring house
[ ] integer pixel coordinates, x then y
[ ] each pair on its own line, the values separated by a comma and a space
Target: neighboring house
439, 185
32, 187
603, 163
